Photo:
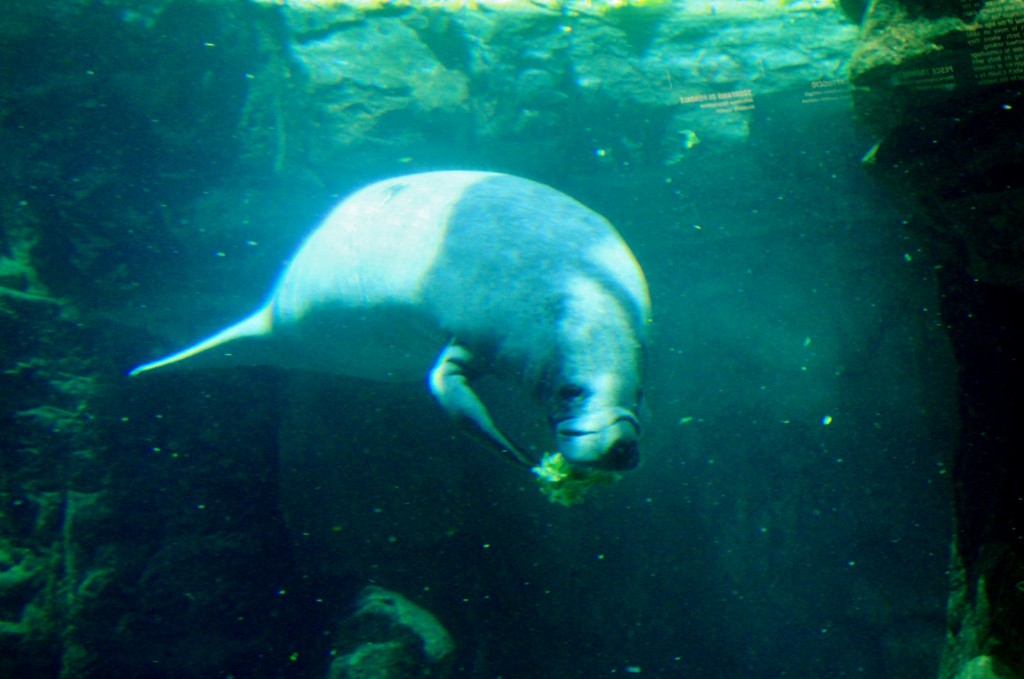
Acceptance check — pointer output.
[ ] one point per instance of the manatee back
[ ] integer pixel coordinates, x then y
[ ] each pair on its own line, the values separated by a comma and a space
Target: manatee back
512, 249
375, 248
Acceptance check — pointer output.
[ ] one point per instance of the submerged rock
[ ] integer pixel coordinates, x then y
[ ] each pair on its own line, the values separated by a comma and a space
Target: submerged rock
396, 639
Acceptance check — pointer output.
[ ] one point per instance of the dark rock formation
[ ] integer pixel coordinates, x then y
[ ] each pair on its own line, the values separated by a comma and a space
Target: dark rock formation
940, 84
390, 637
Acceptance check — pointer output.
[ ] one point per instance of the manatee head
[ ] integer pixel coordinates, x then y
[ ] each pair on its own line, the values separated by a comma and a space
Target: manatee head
594, 385
596, 424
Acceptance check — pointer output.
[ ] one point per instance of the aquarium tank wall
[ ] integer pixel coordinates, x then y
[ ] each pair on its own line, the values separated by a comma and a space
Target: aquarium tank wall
825, 199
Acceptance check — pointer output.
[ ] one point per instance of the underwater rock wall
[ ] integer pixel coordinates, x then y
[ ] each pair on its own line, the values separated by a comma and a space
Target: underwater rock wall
52, 488
940, 85
121, 554
394, 84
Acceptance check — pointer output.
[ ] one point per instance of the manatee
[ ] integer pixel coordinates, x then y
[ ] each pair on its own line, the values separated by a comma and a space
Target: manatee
454, 275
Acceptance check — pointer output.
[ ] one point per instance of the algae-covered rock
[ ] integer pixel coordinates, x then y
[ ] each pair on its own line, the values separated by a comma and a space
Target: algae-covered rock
400, 612
390, 637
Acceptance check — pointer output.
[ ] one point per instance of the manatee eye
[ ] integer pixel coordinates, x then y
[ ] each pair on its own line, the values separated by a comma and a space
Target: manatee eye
568, 392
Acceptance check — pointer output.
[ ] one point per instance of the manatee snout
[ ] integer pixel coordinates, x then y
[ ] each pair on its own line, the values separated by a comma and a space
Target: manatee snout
610, 446
624, 454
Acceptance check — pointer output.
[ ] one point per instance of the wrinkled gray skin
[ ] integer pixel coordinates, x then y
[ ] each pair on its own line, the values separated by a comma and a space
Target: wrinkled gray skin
499, 274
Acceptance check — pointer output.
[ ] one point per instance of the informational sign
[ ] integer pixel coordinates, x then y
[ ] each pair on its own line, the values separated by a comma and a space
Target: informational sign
995, 41
722, 102
988, 49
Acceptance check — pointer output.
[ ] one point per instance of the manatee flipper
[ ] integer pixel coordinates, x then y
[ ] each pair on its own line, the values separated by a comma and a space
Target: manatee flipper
257, 325
450, 386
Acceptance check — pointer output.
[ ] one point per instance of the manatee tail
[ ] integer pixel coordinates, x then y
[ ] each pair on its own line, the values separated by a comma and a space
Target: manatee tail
257, 325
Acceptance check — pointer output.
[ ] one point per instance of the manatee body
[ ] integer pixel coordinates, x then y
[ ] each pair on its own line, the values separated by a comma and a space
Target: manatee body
454, 275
